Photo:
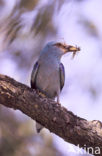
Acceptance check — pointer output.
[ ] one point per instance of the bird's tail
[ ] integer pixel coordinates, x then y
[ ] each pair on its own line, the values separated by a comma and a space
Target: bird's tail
39, 127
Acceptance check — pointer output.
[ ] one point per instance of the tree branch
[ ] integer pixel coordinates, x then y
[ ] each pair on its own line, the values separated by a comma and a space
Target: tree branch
50, 114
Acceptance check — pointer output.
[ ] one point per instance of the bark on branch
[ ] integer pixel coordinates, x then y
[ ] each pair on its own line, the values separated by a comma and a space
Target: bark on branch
50, 114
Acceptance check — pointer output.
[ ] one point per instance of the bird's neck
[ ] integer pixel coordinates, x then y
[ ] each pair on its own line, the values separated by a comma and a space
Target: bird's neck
50, 58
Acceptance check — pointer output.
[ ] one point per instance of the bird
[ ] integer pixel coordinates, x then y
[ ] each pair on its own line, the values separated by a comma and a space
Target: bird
48, 74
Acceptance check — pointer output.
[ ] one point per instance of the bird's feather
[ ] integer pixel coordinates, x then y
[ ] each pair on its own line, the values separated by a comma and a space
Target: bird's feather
33, 75
62, 75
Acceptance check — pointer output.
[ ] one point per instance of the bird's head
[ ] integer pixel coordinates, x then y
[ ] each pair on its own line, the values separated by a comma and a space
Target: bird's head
59, 48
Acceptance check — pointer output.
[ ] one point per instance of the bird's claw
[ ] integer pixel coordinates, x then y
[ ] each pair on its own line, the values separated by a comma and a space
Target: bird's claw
41, 94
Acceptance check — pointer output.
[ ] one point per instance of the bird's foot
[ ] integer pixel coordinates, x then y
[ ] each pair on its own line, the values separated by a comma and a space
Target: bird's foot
41, 94
58, 100
58, 103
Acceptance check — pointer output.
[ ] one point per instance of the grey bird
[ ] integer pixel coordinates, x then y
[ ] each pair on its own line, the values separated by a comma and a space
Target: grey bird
48, 74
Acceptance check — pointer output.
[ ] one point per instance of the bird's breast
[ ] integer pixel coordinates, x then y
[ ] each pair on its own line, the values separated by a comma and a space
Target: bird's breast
48, 79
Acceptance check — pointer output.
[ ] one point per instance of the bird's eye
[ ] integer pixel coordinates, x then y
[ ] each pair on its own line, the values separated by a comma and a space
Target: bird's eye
57, 44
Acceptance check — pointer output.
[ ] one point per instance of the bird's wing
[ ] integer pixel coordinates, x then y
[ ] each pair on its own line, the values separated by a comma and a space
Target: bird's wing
62, 75
33, 75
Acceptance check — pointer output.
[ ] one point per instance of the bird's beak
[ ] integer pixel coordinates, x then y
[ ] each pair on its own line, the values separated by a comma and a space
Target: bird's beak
73, 49
69, 48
